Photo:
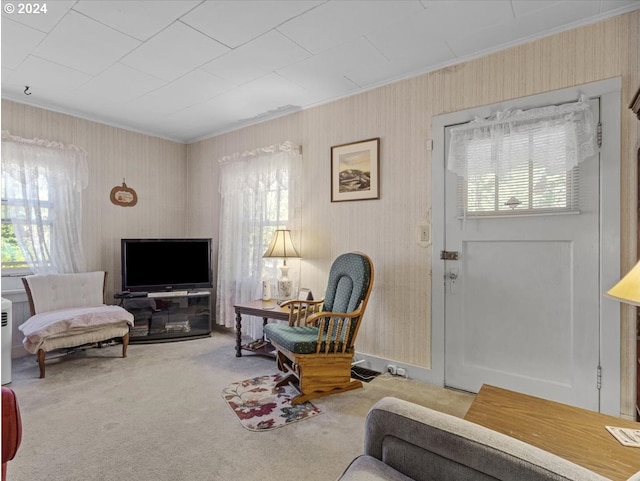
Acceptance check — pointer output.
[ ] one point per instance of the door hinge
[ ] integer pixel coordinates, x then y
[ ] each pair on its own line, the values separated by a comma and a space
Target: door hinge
599, 134
449, 255
599, 377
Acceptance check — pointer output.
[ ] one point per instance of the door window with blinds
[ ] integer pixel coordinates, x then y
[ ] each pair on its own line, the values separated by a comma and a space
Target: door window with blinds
522, 162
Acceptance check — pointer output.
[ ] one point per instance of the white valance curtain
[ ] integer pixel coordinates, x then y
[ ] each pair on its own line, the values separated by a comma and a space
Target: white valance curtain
259, 194
556, 137
43, 183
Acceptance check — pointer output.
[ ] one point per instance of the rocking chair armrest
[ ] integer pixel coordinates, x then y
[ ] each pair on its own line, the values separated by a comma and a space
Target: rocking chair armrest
300, 310
301, 302
314, 318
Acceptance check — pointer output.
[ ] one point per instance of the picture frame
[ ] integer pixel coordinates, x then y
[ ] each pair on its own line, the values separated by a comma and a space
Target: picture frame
305, 294
355, 171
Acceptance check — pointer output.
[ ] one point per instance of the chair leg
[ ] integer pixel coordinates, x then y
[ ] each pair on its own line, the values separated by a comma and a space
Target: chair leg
41, 355
125, 344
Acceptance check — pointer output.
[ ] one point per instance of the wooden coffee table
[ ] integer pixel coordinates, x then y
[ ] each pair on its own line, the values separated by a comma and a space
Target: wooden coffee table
576, 434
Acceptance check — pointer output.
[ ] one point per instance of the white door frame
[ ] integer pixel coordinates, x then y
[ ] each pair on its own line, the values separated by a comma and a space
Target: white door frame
609, 91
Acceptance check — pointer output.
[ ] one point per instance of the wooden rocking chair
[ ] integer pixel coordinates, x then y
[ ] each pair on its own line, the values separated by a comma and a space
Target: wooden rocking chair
316, 348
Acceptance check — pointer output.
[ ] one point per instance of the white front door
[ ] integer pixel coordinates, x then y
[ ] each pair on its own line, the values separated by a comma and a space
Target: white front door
522, 302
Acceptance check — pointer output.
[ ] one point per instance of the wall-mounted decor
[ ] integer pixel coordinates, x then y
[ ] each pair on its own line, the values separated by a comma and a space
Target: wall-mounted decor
354, 171
123, 196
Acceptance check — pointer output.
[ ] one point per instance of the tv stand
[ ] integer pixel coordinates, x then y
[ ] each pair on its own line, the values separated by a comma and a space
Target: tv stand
169, 316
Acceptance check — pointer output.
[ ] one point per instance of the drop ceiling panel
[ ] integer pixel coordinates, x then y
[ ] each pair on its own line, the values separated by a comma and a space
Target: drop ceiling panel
84, 44
335, 23
234, 23
139, 19
256, 58
174, 52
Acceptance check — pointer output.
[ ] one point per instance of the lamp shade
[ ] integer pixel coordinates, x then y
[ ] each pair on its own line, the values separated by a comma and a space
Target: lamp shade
281, 245
628, 289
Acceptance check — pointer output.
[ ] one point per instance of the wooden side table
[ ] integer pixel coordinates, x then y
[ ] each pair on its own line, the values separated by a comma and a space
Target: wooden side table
264, 309
573, 433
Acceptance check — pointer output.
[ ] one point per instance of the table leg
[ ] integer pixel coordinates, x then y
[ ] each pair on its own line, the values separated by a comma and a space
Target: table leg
238, 334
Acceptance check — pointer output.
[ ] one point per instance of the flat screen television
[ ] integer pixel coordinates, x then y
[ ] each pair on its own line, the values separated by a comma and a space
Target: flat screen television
155, 265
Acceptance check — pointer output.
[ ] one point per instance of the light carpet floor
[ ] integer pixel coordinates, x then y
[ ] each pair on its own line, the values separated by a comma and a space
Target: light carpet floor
158, 415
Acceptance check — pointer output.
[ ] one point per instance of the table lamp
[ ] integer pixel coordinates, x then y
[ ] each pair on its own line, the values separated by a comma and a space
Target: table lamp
627, 290
281, 246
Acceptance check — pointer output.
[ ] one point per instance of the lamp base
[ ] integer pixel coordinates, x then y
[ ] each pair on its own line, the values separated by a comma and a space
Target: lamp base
284, 284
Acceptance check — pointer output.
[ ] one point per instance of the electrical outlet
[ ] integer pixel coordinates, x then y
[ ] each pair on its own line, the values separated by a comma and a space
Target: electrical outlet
401, 371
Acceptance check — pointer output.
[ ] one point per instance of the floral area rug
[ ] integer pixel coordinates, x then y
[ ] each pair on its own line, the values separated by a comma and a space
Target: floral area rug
260, 405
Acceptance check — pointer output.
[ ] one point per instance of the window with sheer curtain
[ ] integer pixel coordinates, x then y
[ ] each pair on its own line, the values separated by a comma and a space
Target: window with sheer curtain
42, 183
258, 193
522, 162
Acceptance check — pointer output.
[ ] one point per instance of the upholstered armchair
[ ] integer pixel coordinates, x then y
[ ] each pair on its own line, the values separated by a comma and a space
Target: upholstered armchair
67, 311
316, 348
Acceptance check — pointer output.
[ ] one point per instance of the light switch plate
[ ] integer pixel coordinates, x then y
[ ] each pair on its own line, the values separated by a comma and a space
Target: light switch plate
423, 231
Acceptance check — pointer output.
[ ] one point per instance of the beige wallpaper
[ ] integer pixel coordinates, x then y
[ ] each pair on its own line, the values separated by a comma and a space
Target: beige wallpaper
156, 169
397, 323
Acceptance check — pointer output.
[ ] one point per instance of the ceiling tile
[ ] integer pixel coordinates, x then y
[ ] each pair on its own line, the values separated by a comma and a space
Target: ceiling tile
416, 58
525, 7
234, 23
607, 5
40, 21
195, 87
266, 96
334, 23
174, 52
121, 83
45, 79
458, 18
254, 59
520, 29
140, 19
84, 44
326, 74
17, 42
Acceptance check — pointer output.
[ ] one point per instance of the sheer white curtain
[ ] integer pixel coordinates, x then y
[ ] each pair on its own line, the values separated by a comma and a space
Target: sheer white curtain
259, 195
556, 137
43, 183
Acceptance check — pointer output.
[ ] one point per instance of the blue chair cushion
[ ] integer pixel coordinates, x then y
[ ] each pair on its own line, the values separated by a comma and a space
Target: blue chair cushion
301, 340
348, 281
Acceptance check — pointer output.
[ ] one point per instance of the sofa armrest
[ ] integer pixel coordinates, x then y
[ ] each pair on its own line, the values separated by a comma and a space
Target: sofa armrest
424, 444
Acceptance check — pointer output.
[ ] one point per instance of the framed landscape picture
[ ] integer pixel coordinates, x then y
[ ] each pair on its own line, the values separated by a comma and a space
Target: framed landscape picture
355, 171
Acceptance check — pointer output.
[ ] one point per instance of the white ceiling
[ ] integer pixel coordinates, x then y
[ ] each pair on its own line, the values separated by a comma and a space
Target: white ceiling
186, 70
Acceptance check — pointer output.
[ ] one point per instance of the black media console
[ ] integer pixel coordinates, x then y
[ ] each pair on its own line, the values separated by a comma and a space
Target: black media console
169, 316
